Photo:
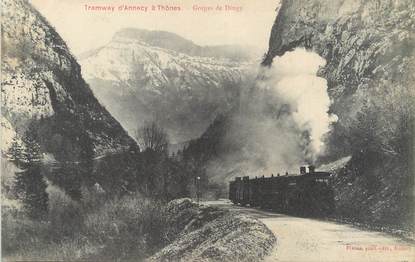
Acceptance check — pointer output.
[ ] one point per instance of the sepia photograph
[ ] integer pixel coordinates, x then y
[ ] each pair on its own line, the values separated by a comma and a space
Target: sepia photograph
208, 130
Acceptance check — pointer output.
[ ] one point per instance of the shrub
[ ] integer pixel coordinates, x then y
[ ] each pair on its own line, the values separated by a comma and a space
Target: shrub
128, 227
65, 216
50, 239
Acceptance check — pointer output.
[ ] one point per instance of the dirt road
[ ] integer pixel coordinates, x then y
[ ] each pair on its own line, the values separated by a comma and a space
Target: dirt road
309, 240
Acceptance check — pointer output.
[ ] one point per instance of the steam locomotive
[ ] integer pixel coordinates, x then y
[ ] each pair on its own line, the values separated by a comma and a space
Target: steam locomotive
305, 194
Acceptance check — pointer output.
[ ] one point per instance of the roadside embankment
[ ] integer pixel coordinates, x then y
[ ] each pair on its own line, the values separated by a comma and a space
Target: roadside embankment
205, 233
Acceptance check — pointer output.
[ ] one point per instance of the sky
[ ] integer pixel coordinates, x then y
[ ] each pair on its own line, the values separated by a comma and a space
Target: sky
84, 29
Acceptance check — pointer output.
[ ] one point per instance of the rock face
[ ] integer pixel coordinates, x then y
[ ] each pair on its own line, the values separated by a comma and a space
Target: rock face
365, 43
369, 48
153, 75
42, 85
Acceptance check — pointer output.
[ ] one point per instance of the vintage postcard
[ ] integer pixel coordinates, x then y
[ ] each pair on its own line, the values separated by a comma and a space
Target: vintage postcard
214, 130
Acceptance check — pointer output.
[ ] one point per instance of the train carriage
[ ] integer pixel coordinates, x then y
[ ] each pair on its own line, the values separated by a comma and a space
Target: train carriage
306, 194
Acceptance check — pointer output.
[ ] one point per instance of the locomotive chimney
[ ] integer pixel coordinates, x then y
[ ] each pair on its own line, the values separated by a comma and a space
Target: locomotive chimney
311, 169
302, 170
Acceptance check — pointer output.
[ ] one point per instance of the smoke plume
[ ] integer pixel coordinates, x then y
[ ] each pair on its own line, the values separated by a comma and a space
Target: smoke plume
280, 123
294, 78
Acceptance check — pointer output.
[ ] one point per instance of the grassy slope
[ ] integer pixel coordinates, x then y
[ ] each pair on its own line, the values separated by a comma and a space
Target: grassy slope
131, 228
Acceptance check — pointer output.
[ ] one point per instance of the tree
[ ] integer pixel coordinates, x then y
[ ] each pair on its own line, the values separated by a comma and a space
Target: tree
30, 185
15, 152
32, 153
153, 137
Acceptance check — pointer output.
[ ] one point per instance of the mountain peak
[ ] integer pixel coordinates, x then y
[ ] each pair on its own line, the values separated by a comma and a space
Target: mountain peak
146, 75
162, 39
177, 43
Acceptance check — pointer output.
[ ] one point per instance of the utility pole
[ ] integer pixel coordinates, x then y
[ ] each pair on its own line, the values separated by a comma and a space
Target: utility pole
197, 189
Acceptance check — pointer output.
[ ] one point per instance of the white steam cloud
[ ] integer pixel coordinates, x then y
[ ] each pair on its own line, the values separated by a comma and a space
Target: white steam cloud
294, 77
280, 124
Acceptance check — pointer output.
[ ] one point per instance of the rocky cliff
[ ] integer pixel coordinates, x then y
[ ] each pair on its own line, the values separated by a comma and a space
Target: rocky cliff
367, 44
154, 75
369, 48
42, 85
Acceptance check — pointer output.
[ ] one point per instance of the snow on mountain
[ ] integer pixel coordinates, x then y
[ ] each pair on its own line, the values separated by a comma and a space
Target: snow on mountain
121, 58
151, 75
